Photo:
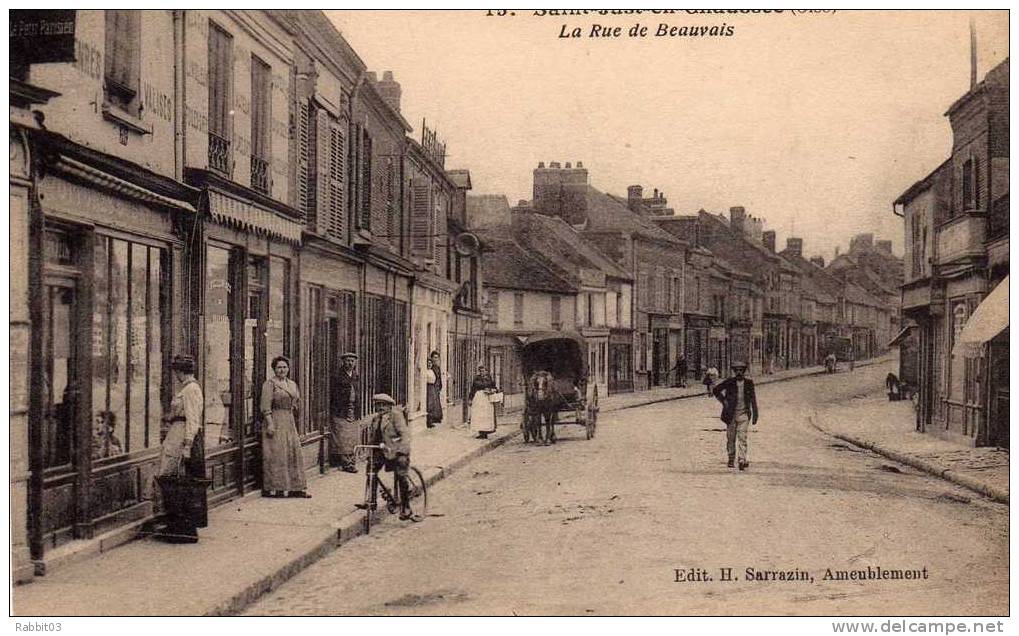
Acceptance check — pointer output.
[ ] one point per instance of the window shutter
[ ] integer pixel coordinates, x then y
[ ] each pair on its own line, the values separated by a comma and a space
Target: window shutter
420, 216
322, 137
305, 162
337, 168
366, 181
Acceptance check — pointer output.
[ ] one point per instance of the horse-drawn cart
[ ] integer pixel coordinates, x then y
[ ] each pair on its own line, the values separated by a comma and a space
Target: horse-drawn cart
555, 367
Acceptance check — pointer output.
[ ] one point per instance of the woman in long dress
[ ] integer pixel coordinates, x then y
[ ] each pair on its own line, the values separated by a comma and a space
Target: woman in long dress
433, 391
482, 411
282, 463
181, 475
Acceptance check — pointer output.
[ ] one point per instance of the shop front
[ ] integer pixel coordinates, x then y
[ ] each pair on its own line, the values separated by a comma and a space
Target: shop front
109, 268
620, 361
697, 333
329, 281
247, 257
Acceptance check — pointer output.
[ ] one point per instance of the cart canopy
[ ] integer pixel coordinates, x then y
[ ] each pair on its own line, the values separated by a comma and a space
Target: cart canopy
561, 353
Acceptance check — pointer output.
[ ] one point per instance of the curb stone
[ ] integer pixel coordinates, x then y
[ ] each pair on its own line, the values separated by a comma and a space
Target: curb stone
932, 468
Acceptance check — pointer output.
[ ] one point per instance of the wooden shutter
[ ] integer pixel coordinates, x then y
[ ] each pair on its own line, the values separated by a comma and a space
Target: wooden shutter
305, 162
122, 31
420, 218
366, 180
322, 137
337, 169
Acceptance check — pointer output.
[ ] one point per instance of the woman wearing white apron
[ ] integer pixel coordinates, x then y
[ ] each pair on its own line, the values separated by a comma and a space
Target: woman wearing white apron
482, 413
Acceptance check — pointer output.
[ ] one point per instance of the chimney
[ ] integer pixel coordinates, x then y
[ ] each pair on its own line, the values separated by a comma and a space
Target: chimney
794, 245
737, 216
389, 90
561, 192
884, 246
768, 238
634, 198
863, 241
817, 260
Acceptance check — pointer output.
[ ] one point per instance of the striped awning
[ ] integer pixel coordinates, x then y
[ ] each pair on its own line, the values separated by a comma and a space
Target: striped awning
253, 218
989, 319
127, 189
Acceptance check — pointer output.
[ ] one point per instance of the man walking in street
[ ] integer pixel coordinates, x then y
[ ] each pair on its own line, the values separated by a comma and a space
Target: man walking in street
389, 430
344, 427
739, 411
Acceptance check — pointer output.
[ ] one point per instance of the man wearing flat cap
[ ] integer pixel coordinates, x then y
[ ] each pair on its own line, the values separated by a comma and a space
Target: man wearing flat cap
739, 411
344, 425
389, 429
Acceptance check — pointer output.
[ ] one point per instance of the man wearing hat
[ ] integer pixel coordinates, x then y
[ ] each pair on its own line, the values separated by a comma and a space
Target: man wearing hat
344, 427
739, 411
389, 429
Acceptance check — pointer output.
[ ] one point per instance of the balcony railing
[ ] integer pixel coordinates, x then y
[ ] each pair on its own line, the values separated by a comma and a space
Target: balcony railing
259, 174
219, 154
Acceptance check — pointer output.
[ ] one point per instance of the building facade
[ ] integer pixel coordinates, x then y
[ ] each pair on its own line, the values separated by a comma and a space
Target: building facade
956, 232
249, 200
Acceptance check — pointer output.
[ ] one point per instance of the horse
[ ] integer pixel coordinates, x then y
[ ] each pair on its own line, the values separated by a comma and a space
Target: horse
542, 401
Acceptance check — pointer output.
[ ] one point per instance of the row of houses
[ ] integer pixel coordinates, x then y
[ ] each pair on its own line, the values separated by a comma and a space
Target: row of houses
955, 287
230, 185
647, 287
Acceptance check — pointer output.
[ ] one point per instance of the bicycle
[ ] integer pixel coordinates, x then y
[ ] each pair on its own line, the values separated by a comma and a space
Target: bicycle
418, 488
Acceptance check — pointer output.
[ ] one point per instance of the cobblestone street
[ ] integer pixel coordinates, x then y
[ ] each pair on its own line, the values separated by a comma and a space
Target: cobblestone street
599, 527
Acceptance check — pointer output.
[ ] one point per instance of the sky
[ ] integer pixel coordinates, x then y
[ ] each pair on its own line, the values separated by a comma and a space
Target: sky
815, 123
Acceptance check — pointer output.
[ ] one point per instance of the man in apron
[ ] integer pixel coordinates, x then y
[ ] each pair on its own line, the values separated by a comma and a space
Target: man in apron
344, 424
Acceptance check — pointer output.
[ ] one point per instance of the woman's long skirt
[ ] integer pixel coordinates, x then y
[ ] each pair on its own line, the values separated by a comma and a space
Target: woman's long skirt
282, 462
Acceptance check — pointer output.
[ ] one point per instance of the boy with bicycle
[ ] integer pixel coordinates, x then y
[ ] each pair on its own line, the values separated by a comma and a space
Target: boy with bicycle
389, 430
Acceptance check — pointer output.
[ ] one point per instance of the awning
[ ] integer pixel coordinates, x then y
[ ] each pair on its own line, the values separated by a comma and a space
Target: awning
990, 319
252, 218
897, 340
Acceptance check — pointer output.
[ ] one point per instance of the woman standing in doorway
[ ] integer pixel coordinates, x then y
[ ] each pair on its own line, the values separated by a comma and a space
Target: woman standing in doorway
181, 475
433, 376
282, 464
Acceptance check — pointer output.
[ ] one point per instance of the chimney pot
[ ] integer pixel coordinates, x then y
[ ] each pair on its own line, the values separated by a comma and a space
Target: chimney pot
580, 164
541, 164
568, 166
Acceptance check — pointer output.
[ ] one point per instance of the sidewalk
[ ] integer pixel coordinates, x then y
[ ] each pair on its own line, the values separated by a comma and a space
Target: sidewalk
254, 544
889, 429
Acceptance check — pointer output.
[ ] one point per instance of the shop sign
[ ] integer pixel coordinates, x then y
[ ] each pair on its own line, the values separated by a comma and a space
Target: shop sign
42, 35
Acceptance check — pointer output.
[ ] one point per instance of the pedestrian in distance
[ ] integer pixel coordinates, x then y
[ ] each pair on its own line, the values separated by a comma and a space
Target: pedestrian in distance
710, 378
344, 425
739, 412
181, 474
680, 371
482, 411
282, 460
433, 390
390, 431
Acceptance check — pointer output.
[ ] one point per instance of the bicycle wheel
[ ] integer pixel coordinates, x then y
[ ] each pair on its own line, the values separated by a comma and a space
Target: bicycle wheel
419, 491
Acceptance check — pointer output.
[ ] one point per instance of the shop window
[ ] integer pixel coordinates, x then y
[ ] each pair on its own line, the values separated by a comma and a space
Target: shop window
216, 354
276, 332
123, 63
60, 338
127, 347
